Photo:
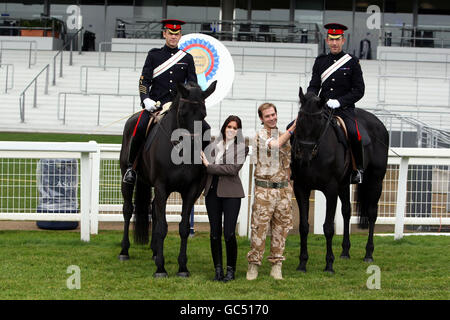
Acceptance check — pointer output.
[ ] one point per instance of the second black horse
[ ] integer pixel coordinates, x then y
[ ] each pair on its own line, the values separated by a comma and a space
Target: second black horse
321, 162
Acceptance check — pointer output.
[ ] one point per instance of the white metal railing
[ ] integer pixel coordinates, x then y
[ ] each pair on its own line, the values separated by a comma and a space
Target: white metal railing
404, 35
267, 79
9, 75
30, 49
415, 189
73, 37
35, 82
14, 180
239, 54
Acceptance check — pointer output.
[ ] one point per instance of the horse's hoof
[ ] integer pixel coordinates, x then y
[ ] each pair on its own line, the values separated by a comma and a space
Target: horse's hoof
301, 269
154, 258
345, 257
329, 271
184, 274
123, 257
368, 259
160, 275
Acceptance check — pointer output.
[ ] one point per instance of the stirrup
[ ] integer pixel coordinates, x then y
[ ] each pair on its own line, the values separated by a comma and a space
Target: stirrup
357, 176
129, 176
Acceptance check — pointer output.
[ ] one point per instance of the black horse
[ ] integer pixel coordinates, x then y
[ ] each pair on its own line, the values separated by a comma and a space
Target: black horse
160, 166
320, 161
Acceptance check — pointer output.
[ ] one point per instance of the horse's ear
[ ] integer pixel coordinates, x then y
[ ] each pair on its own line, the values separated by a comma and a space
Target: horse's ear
302, 96
182, 90
209, 90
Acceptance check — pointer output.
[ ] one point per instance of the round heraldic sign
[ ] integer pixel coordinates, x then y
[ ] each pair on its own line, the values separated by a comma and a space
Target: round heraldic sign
212, 62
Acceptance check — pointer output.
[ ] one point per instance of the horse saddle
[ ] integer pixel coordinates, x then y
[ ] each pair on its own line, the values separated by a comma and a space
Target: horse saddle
342, 134
152, 127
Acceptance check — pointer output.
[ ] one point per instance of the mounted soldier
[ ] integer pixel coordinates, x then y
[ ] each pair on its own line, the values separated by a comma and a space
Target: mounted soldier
163, 69
338, 77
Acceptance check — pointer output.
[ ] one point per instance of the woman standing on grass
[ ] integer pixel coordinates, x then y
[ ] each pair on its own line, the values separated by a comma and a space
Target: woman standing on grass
223, 193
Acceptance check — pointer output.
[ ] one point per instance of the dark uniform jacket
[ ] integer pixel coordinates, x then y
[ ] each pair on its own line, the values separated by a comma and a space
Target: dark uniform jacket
164, 87
346, 84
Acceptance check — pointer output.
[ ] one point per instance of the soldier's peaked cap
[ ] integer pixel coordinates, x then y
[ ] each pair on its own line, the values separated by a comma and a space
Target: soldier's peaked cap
173, 25
335, 30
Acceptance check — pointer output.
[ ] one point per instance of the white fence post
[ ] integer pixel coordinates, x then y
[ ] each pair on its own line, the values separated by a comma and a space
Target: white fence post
86, 189
320, 208
401, 197
320, 211
338, 219
95, 189
243, 213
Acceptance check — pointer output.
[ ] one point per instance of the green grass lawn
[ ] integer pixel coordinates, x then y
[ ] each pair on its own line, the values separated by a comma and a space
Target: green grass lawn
34, 266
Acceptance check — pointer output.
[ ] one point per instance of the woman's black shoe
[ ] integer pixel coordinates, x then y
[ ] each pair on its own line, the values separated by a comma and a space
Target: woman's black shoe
230, 274
219, 273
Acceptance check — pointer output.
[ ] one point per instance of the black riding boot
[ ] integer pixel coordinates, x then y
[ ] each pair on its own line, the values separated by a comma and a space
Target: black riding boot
231, 248
216, 251
130, 175
358, 153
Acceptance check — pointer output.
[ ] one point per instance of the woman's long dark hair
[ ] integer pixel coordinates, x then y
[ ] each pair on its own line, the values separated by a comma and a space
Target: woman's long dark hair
239, 137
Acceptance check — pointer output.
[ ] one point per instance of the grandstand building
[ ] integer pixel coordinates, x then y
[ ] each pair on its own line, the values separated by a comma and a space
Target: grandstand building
72, 66
68, 79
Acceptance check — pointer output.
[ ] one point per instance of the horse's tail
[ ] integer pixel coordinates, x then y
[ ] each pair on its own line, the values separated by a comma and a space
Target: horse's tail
141, 227
142, 221
361, 199
367, 196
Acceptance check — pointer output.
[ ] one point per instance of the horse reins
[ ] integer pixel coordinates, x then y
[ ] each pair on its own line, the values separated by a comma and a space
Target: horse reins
192, 135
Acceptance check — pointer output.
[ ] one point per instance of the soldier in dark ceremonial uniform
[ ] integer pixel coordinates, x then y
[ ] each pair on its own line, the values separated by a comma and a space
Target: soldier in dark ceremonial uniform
163, 69
338, 77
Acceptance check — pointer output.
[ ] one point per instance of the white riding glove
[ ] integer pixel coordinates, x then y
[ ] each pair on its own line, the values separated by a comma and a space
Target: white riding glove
333, 103
150, 105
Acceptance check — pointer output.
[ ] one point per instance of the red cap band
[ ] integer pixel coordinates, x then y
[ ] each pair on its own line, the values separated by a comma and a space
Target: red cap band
335, 31
173, 26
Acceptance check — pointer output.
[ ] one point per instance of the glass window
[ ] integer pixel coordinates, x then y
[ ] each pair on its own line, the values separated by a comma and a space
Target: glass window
362, 5
23, 10
343, 5
309, 5
92, 2
433, 12
195, 12
271, 10
434, 23
309, 11
148, 3
434, 7
241, 9
398, 6
120, 2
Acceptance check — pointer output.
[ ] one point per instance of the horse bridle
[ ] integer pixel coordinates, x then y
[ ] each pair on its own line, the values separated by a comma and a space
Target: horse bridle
314, 145
191, 135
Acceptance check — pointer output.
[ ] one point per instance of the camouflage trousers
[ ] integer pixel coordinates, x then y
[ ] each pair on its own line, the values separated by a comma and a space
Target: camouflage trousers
272, 209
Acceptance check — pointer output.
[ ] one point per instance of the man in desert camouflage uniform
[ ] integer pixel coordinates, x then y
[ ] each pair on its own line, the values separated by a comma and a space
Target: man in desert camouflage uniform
272, 205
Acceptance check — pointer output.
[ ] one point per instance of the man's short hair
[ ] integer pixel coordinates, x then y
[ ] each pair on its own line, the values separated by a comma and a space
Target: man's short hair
265, 106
